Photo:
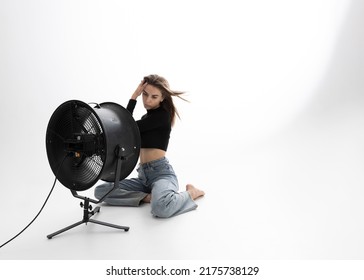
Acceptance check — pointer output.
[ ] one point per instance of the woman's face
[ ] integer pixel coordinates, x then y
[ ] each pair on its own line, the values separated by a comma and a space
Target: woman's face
152, 97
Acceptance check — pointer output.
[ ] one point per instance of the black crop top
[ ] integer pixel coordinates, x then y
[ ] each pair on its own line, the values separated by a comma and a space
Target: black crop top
154, 127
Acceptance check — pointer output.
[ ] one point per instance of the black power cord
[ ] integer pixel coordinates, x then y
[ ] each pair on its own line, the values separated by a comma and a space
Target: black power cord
41, 209
45, 202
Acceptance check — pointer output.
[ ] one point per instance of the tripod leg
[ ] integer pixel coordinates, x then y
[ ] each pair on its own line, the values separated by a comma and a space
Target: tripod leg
65, 229
97, 210
109, 225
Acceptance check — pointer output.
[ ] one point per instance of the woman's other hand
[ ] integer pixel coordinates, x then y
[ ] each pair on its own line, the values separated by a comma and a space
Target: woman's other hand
139, 90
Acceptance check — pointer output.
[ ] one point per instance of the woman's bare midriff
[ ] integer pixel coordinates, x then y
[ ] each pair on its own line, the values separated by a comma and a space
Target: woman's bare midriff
147, 155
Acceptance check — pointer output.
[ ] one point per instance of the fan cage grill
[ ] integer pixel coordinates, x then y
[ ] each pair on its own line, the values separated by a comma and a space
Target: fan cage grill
72, 121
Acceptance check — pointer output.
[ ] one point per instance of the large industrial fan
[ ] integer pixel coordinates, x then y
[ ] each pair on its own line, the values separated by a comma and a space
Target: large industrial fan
85, 145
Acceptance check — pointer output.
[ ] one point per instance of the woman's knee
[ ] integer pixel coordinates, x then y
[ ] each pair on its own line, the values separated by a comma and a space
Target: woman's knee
165, 205
161, 208
161, 212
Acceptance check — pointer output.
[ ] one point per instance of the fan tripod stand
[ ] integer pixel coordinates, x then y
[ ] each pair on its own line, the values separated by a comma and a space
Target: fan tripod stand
87, 214
87, 208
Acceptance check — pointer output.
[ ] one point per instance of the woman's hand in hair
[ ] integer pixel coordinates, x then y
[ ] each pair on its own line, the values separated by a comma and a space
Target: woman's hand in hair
139, 90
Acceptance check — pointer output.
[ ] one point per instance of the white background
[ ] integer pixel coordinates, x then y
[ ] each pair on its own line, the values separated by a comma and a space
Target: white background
273, 133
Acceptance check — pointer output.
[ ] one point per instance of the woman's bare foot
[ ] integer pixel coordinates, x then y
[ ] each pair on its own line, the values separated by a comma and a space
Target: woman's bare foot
147, 199
194, 192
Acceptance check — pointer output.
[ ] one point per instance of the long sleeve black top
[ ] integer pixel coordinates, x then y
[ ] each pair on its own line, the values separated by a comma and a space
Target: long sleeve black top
154, 127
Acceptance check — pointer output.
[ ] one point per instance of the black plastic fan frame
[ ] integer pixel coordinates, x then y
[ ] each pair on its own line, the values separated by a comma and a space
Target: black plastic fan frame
82, 143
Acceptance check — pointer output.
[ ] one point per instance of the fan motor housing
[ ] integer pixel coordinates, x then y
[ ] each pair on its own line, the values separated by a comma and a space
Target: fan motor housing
83, 142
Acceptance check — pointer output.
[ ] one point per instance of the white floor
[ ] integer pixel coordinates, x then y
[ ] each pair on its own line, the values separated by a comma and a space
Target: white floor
298, 195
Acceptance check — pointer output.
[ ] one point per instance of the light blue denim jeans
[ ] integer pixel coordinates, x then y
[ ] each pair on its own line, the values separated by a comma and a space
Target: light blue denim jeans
156, 177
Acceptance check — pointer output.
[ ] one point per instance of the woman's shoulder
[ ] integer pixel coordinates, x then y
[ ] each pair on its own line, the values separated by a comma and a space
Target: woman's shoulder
161, 114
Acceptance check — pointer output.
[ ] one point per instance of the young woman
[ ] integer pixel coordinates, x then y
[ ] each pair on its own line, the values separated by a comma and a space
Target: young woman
156, 183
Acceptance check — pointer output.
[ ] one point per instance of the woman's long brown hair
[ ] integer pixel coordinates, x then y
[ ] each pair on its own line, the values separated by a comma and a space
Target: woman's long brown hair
167, 94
